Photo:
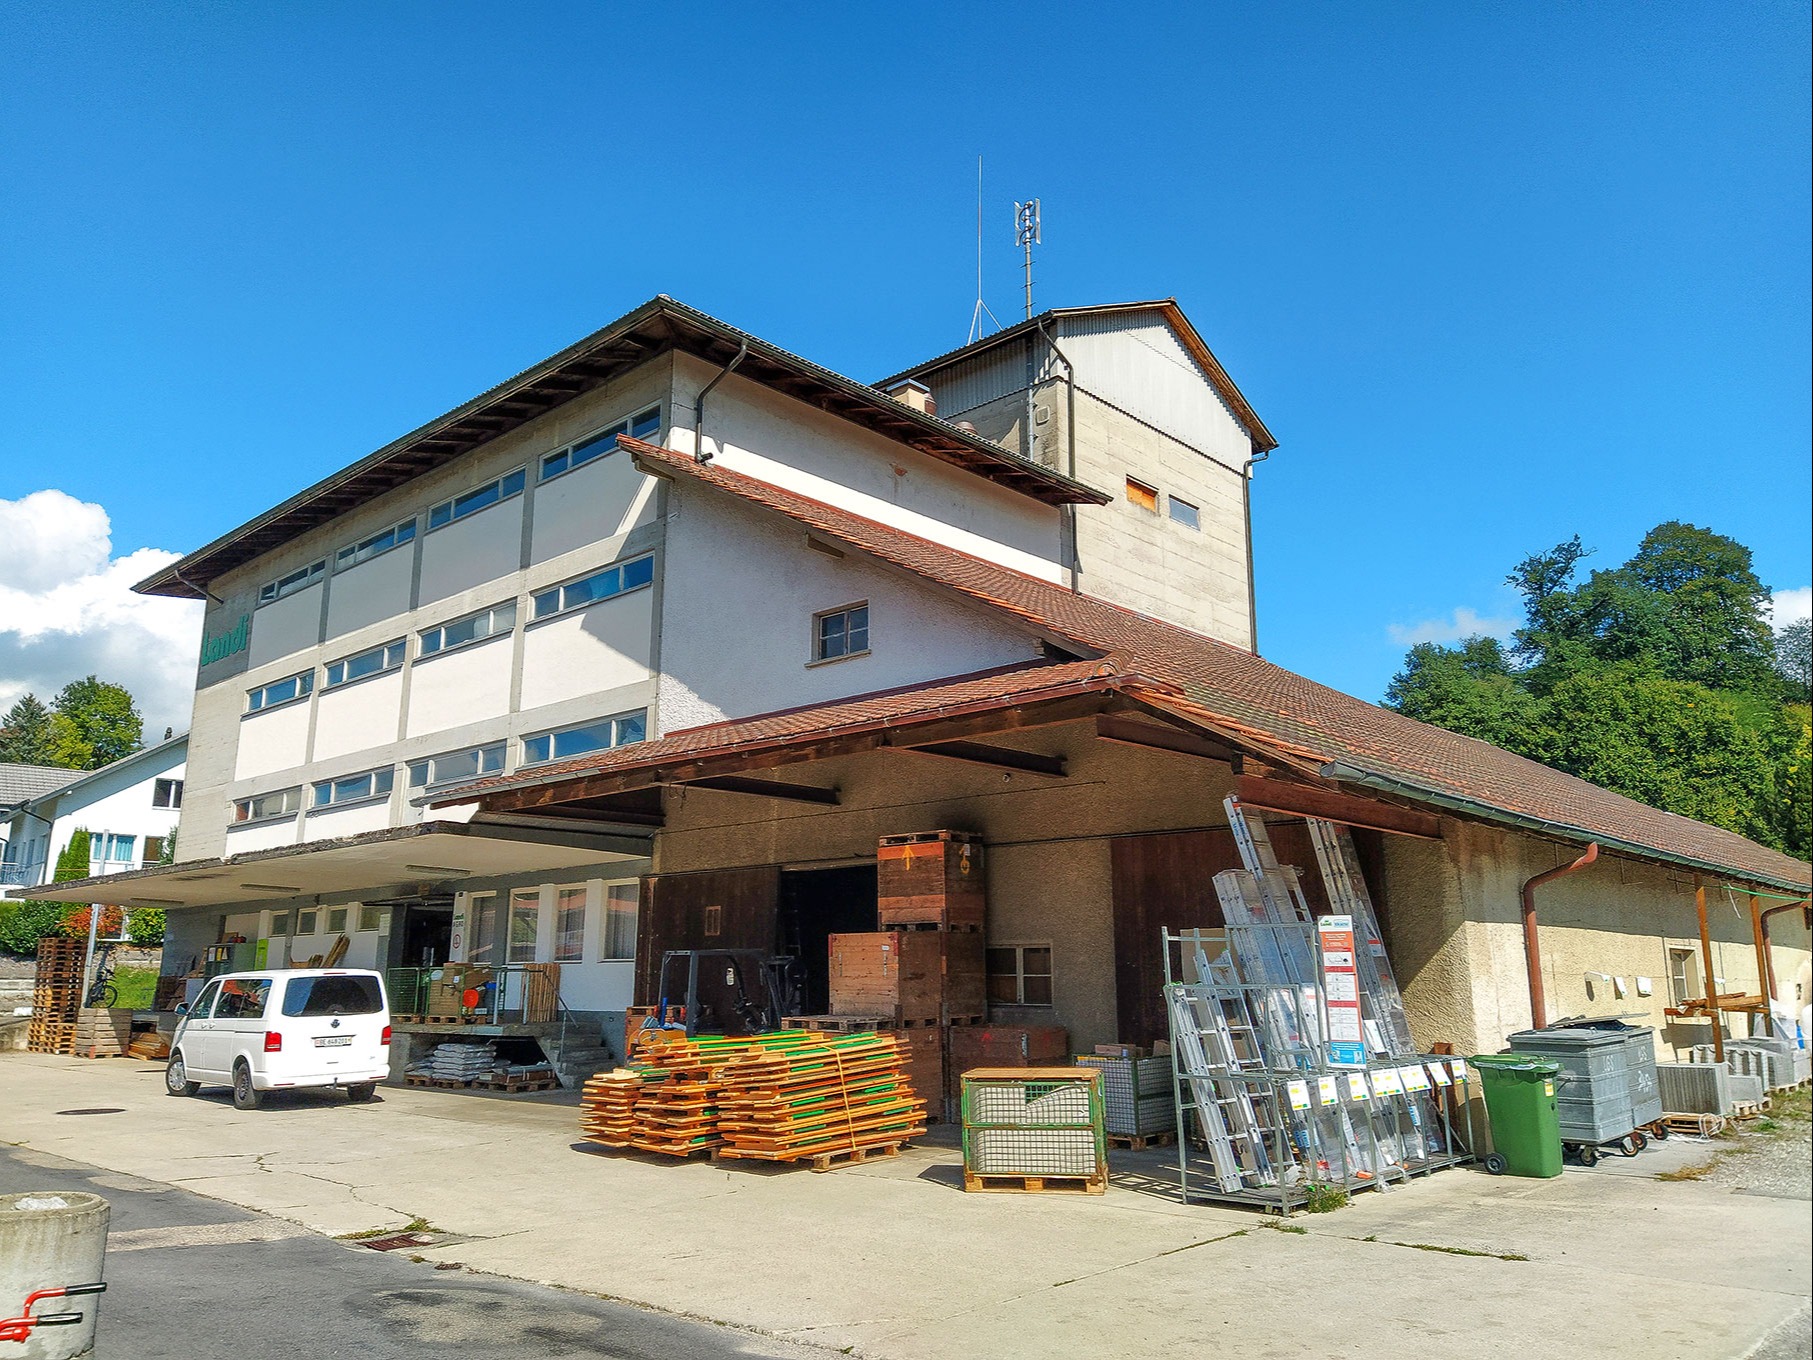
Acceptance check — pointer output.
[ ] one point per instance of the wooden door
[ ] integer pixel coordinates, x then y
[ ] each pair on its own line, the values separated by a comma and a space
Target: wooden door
715, 909
1167, 882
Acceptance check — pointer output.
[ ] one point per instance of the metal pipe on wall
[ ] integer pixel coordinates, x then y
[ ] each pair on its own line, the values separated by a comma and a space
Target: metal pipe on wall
698, 407
1711, 982
1069, 446
1532, 947
1252, 590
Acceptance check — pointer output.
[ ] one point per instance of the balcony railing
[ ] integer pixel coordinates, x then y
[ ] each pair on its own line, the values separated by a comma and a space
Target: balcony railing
21, 875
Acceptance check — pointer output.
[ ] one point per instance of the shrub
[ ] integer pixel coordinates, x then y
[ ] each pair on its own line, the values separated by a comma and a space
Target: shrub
145, 927
75, 924
23, 924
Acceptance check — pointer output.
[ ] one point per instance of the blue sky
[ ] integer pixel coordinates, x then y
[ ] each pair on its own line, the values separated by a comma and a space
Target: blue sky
1494, 275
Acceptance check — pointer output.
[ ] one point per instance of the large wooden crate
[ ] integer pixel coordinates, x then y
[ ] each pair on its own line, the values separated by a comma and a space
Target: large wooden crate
1002, 1046
910, 977
932, 878
102, 1032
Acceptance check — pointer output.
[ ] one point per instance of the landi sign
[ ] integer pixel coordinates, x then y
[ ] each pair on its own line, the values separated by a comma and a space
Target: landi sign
219, 646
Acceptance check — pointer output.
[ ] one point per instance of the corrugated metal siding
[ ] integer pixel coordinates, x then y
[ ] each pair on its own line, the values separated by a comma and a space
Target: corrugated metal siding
1135, 361
965, 386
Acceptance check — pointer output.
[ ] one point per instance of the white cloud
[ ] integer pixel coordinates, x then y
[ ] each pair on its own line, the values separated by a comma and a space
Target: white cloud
1791, 606
67, 610
1464, 623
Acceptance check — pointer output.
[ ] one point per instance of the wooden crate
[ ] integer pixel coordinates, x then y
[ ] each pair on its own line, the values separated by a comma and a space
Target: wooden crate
997, 1046
932, 878
910, 977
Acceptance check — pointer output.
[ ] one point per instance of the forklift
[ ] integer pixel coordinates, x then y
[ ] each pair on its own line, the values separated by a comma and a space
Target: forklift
724, 991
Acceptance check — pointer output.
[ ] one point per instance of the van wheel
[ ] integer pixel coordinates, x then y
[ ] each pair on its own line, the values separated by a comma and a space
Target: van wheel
176, 1078
245, 1095
362, 1092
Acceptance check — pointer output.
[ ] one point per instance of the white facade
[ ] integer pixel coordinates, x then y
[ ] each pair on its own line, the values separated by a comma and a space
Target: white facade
130, 808
538, 597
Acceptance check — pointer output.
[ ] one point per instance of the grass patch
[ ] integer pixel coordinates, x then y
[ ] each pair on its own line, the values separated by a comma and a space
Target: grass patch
1323, 1199
1463, 1251
137, 987
415, 1225
1278, 1225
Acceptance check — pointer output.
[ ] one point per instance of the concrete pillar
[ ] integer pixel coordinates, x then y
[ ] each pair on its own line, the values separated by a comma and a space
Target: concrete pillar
52, 1239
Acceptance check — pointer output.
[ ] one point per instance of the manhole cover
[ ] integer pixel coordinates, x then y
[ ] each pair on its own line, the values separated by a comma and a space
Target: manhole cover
399, 1241
109, 1109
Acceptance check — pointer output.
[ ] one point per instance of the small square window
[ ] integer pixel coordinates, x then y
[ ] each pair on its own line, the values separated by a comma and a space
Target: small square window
307, 922
336, 920
1185, 514
841, 632
1145, 497
1019, 975
371, 918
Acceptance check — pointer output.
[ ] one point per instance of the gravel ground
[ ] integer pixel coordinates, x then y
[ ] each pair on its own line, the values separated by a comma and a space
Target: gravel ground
1773, 1156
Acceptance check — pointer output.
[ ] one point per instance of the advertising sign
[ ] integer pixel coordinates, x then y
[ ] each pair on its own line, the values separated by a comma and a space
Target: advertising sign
1341, 987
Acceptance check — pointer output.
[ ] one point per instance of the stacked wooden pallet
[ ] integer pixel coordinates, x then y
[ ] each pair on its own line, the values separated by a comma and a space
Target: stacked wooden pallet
792, 1096
832, 1097
150, 1046
56, 995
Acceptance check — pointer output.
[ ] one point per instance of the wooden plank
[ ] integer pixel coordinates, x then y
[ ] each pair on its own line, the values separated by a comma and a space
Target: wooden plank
1303, 800
1001, 757
1151, 736
766, 788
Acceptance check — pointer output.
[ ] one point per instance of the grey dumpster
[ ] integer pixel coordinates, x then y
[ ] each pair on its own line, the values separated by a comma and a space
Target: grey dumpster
1593, 1090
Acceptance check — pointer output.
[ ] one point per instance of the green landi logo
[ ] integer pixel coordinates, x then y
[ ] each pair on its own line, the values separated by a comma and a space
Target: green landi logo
222, 645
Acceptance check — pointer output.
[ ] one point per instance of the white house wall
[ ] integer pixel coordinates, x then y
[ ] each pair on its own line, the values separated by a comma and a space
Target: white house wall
604, 646
357, 717
738, 617
754, 430
446, 691
276, 739
117, 800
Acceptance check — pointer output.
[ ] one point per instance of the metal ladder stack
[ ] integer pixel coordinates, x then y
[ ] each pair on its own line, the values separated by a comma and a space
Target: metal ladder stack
1347, 894
1207, 1043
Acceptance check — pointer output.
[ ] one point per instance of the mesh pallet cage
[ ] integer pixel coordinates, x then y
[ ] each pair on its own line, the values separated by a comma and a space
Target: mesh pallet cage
1034, 1128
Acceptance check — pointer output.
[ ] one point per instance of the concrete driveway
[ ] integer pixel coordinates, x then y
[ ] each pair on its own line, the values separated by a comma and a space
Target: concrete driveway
892, 1259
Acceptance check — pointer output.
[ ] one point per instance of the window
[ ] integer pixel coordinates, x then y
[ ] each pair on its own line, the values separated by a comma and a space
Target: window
841, 632
617, 580
479, 498
336, 920
300, 579
473, 628
483, 947
1145, 497
1019, 975
525, 921
577, 741
618, 939
639, 426
456, 765
373, 662
1683, 976
307, 921
167, 793
340, 994
266, 806
355, 788
1185, 514
286, 690
204, 999
373, 918
106, 848
242, 999
280, 923
569, 925
375, 546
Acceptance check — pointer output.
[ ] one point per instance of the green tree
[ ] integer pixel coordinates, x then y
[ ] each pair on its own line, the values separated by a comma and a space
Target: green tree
1793, 810
1471, 689
1794, 659
1669, 743
93, 723
145, 927
23, 924
1696, 608
76, 858
25, 733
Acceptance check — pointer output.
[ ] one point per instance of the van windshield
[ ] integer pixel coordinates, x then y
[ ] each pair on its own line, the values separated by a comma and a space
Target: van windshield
354, 994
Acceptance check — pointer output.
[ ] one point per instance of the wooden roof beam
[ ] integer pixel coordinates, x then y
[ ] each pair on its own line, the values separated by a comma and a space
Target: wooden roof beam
766, 788
1000, 757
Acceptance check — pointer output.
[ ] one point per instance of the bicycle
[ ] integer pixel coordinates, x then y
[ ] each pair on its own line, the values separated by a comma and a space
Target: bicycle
102, 992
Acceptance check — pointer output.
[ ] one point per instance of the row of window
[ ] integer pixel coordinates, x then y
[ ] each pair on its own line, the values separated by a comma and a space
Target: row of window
616, 580
508, 932
448, 768
643, 425
1147, 498
313, 920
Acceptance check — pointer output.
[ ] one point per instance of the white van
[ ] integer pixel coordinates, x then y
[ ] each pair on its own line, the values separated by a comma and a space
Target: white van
283, 1029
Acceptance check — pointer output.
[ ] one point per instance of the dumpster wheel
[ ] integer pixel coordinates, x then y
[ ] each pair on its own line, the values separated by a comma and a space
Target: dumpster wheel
1494, 1164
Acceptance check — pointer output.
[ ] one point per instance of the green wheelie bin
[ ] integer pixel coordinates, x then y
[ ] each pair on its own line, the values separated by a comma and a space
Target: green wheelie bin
1520, 1102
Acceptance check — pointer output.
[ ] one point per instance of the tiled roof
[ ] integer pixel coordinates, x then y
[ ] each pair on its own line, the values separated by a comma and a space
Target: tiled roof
1262, 705
22, 783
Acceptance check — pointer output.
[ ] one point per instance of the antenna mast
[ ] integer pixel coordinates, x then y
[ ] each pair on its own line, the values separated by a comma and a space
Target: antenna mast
1026, 236
975, 317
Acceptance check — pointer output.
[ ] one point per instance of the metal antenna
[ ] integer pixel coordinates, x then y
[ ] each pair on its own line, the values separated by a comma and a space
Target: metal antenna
1026, 236
975, 317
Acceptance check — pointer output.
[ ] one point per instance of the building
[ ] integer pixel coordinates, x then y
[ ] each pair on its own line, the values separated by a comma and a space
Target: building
129, 808
648, 647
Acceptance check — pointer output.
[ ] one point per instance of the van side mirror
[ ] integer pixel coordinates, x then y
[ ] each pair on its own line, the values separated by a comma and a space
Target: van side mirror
182, 1008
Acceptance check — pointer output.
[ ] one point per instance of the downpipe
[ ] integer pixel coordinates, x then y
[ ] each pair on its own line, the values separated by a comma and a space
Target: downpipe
1532, 948
698, 407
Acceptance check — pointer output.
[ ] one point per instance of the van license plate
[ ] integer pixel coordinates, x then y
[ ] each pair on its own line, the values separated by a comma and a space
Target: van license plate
334, 1041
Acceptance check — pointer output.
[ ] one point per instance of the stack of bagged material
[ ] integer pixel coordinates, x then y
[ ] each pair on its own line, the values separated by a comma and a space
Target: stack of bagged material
1137, 1094
462, 1062
832, 1094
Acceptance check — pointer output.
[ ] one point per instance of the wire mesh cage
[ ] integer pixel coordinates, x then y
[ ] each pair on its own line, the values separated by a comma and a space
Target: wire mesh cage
1033, 1125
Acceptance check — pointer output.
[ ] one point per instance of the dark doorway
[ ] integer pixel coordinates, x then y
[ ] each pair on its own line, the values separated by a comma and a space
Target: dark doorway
427, 934
815, 905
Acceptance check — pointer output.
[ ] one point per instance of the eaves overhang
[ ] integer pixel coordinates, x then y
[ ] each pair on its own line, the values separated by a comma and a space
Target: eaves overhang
657, 326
